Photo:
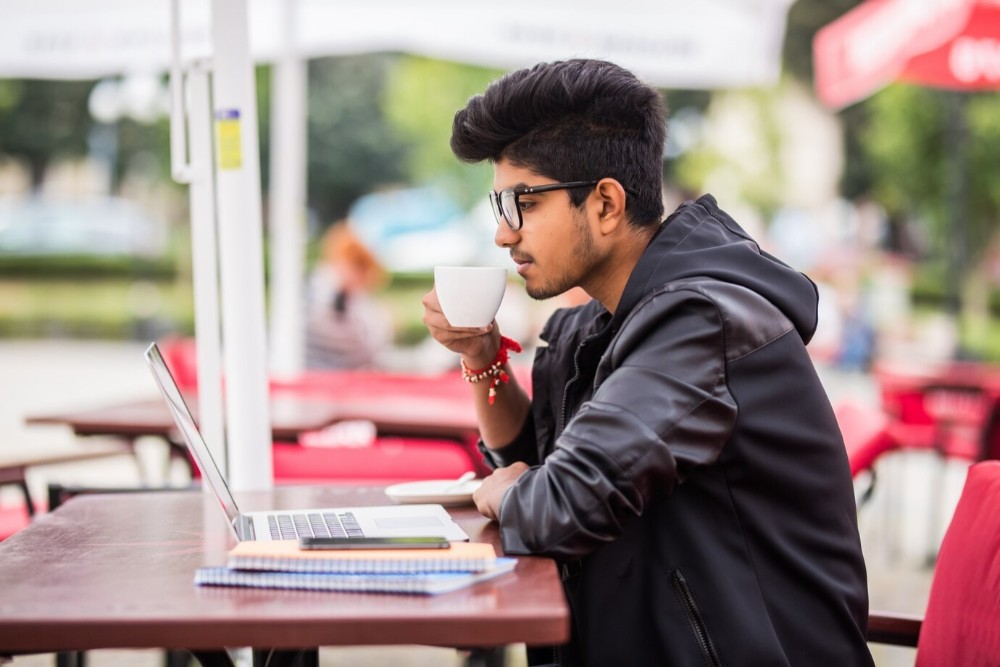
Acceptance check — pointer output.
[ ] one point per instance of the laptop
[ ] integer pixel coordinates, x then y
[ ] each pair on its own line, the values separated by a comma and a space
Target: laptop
350, 522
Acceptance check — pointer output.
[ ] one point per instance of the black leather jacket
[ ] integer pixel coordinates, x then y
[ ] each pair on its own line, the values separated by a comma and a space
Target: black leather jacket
687, 468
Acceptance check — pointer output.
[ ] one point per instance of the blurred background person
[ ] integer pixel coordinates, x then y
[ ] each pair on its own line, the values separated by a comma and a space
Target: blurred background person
346, 326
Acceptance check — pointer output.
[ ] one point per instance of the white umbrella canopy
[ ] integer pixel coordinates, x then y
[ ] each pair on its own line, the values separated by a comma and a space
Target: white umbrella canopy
670, 43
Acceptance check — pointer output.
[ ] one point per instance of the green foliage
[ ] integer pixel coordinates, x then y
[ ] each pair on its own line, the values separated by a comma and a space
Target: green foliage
43, 119
352, 148
805, 18
914, 159
984, 157
101, 308
756, 170
904, 140
85, 267
422, 96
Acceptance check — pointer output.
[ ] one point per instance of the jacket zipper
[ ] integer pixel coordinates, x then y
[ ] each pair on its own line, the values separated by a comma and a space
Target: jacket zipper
696, 621
570, 383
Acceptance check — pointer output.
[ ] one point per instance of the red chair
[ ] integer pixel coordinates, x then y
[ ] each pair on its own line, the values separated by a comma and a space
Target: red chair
961, 626
959, 413
866, 434
180, 356
387, 460
13, 518
949, 409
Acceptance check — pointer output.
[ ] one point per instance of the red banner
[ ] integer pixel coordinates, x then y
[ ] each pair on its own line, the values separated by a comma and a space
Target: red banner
970, 61
945, 43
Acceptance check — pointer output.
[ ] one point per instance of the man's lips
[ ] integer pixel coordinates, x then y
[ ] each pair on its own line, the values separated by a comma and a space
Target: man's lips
522, 263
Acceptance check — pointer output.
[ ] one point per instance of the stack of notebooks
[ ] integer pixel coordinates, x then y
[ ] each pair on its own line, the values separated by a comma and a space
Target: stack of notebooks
283, 564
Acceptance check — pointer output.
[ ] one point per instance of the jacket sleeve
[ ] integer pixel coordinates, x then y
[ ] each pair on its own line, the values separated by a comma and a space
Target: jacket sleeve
522, 448
661, 408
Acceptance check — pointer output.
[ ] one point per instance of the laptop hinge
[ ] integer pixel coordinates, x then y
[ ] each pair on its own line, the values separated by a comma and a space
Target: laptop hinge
244, 528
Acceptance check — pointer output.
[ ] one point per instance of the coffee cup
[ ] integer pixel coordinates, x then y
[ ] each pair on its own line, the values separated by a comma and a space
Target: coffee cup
470, 296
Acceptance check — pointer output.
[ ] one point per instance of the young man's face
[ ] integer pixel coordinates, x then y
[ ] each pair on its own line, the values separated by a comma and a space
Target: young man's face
554, 250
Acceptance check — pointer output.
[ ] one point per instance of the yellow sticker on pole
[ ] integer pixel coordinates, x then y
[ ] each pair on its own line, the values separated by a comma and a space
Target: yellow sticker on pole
228, 141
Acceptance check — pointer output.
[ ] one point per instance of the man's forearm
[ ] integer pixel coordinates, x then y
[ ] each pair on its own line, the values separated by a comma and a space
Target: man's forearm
502, 421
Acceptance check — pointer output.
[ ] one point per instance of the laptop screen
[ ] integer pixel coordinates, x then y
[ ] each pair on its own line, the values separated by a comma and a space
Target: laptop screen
192, 436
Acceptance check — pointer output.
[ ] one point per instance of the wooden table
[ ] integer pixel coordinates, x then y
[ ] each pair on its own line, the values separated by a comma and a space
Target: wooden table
14, 465
116, 571
414, 416
417, 416
134, 419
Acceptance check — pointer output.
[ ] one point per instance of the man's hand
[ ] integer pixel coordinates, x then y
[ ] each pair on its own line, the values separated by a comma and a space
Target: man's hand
478, 346
488, 496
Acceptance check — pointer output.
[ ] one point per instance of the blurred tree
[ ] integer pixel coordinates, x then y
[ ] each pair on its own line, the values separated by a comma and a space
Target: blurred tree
352, 147
805, 18
40, 120
750, 166
908, 144
422, 96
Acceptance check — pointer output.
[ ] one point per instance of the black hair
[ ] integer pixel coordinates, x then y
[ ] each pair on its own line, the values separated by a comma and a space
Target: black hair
572, 120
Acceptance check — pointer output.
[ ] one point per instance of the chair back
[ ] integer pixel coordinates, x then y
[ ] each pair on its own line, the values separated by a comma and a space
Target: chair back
960, 413
962, 622
866, 434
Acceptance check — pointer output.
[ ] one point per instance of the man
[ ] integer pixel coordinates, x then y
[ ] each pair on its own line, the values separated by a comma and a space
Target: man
678, 455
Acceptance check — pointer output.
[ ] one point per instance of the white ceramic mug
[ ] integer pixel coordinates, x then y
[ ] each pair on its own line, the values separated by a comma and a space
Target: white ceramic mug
470, 296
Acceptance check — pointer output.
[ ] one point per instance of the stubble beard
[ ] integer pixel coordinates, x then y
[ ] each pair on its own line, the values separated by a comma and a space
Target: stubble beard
584, 256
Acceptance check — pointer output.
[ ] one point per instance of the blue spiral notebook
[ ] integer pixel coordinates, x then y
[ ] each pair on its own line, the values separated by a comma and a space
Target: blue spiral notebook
419, 583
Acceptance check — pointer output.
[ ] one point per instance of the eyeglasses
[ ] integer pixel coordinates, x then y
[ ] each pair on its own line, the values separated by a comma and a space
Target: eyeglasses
507, 203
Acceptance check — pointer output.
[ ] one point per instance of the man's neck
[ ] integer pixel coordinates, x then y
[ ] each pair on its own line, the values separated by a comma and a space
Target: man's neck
611, 276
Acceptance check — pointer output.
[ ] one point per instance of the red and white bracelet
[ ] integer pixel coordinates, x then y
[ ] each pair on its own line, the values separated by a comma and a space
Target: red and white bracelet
495, 371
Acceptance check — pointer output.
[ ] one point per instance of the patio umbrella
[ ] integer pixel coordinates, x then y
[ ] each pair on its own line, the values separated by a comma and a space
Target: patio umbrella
673, 43
948, 44
952, 44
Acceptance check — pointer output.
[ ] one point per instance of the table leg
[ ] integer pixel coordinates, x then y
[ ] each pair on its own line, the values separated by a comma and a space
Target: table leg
306, 657
17, 476
28, 503
213, 658
487, 657
71, 659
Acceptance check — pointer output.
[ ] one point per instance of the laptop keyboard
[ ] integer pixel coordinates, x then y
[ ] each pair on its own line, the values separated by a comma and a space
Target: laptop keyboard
316, 524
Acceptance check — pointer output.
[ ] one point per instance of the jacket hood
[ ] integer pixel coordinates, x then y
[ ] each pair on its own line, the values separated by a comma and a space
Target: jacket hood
701, 240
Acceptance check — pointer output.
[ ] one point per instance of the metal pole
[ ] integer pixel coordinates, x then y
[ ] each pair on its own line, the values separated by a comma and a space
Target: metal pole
194, 167
205, 266
288, 201
237, 170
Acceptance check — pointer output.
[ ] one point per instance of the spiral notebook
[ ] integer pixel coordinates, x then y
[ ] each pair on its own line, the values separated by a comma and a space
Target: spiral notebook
286, 556
418, 583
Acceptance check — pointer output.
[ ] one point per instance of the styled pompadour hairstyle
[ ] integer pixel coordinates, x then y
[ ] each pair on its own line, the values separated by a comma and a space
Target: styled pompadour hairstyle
572, 120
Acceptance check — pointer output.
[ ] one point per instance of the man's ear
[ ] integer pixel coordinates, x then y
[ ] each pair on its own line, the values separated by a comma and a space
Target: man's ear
611, 202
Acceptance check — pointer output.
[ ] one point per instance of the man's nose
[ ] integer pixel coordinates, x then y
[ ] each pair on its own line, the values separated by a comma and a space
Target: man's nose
505, 237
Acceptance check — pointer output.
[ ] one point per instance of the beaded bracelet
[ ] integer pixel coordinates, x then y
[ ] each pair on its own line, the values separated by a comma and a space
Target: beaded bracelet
494, 371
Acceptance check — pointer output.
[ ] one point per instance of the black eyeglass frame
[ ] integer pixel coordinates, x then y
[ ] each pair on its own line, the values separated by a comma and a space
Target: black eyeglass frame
499, 212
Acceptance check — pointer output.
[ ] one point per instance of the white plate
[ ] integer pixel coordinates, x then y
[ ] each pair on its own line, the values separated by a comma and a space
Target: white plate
440, 491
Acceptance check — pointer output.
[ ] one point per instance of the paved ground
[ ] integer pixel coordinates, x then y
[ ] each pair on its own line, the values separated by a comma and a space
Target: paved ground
36, 376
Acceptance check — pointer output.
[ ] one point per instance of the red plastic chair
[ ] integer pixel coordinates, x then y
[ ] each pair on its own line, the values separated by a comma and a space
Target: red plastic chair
387, 460
13, 517
180, 356
950, 410
961, 625
959, 413
866, 434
